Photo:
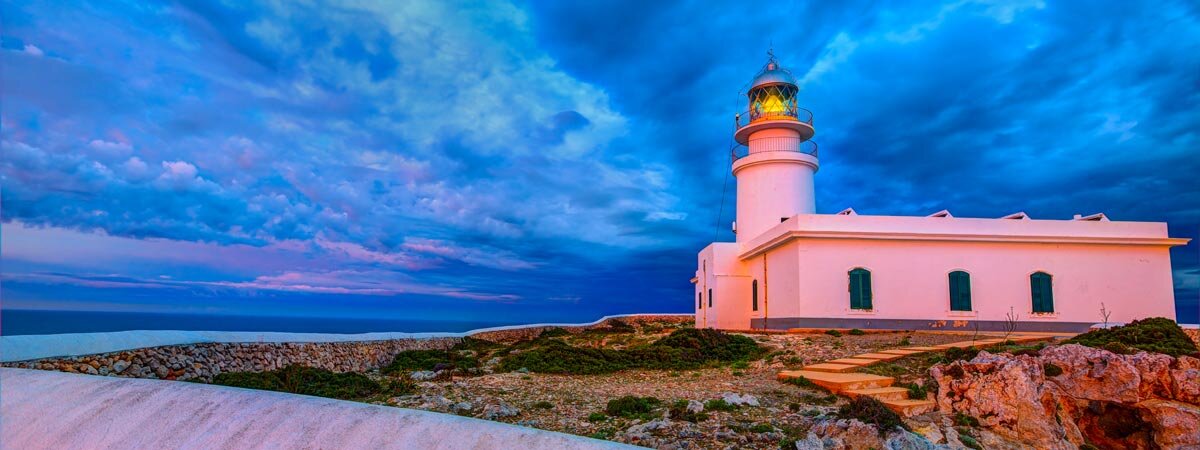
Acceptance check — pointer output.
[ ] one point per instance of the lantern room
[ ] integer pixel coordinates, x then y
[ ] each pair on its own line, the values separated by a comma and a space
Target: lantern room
772, 93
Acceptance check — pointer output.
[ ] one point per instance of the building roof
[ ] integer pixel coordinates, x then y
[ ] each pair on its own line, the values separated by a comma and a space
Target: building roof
772, 73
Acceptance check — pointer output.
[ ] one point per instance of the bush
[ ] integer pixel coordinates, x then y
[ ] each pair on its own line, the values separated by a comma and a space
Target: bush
972, 443
857, 332
915, 391
631, 406
687, 348
1051, 370
834, 333
554, 332
965, 354
963, 420
818, 400
620, 326
762, 428
543, 405
410, 360
314, 381
719, 405
803, 382
1155, 334
872, 411
597, 417
679, 411
905, 341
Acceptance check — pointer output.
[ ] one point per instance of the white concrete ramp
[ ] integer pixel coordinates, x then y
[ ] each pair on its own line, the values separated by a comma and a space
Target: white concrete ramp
41, 409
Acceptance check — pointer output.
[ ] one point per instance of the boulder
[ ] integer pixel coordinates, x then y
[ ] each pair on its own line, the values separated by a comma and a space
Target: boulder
740, 399
499, 410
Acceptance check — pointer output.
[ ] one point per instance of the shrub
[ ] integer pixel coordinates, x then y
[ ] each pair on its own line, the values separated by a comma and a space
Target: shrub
818, 400
719, 404
620, 326
739, 365
679, 411
915, 391
543, 405
597, 417
803, 382
963, 420
762, 428
857, 332
1155, 334
313, 381
872, 411
631, 406
687, 348
965, 354
955, 371
834, 333
554, 332
972, 443
410, 360
905, 341
1051, 370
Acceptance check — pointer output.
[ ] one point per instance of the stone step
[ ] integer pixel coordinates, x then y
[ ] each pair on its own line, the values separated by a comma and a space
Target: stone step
909, 408
839, 382
879, 356
830, 367
902, 352
922, 349
963, 344
854, 361
881, 394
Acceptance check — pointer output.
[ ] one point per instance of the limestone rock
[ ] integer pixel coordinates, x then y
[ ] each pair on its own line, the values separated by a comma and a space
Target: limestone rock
740, 399
499, 410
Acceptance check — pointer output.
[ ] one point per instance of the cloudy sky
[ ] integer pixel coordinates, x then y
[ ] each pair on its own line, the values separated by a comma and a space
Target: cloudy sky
548, 160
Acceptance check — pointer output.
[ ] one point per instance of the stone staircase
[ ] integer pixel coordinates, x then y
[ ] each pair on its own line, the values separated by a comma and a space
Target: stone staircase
839, 376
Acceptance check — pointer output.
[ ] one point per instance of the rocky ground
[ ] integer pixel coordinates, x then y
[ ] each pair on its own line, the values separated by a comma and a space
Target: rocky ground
765, 412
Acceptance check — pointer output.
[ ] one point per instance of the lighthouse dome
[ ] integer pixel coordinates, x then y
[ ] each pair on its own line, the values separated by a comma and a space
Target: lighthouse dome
772, 73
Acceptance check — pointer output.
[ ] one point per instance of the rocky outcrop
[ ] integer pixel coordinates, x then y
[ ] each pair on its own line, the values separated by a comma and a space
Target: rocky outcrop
1070, 395
508, 335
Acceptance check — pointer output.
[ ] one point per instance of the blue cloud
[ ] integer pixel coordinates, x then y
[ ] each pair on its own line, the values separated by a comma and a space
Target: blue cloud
557, 151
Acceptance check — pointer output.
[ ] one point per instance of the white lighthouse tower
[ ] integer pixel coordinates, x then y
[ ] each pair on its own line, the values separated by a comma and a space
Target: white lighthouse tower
775, 176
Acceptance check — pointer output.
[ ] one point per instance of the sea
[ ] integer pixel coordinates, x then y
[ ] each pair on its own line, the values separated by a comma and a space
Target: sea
14, 322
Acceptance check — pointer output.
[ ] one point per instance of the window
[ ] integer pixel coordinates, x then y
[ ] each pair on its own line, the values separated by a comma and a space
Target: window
1043, 294
699, 300
860, 289
960, 291
754, 295
710, 298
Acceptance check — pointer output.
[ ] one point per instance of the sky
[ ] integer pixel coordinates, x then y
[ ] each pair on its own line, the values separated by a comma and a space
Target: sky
518, 161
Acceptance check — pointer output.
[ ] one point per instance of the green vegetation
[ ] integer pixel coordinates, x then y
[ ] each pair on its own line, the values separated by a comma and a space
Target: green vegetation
834, 333
1156, 334
885, 369
818, 400
719, 405
687, 348
762, 428
543, 405
872, 411
740, 365
804, 383
314, 381
631, 407
971, 442
411, 360
963, 420
905, 341
1051, 370
597, 417
620, 326
915, 391
856, 332
554, 332
679, 411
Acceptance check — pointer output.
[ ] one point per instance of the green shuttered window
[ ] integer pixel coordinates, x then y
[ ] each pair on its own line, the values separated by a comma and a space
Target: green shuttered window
860, 289
1042, 292
710, 298
960, 291
754, 294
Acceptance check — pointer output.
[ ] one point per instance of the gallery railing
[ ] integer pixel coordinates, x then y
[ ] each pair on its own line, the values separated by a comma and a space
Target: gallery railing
790, 112
774, 144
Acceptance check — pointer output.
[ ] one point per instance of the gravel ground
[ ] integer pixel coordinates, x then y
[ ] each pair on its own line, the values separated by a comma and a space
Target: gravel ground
564, 402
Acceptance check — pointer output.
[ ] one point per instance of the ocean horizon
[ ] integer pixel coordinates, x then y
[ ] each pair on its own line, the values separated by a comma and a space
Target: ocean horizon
17, 322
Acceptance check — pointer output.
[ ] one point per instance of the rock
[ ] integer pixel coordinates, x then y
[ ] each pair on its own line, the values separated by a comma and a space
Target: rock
523, 370
1142, 400
462, 407
423, 375
694, 406
653, 425
740, 399
90, 370
435, 402
811, 442
905, 440
844, 433
120, 366
499, 410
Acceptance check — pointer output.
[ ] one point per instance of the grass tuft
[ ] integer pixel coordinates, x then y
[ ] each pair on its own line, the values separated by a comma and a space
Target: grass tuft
872, 411
1155, 334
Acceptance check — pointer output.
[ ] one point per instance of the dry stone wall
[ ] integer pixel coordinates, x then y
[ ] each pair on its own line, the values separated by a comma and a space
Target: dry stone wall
201, 362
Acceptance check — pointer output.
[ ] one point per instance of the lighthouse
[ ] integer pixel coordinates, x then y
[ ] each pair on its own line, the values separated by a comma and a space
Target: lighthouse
775, 173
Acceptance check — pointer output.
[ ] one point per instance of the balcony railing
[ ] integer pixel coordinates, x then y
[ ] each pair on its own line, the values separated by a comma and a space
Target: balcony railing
788, 113
775, 144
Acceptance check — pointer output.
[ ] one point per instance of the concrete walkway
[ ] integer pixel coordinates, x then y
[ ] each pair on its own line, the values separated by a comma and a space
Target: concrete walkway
840, 376
59, 410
